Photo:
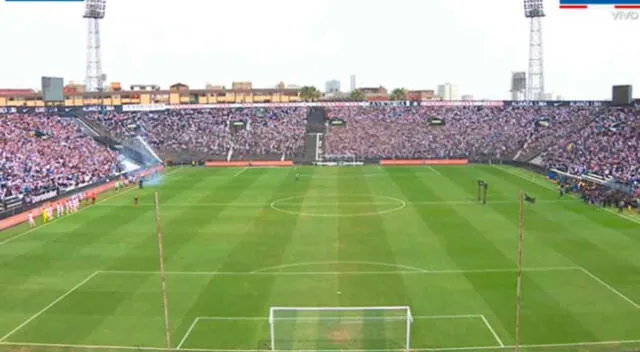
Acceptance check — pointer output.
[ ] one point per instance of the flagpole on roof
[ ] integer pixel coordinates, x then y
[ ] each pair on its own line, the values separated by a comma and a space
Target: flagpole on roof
519, 278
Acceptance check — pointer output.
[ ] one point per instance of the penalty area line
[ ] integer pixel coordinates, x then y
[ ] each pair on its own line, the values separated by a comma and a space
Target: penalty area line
240, 172
186, 335
43, 310
493, 332
610, 288
312, 273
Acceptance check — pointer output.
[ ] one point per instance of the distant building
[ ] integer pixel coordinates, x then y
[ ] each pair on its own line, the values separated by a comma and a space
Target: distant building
547, 96
467, 97
294, 86
352, 82
375, 93
332, 86
418, 95
448, 91
241, 86
518, 85
144, 87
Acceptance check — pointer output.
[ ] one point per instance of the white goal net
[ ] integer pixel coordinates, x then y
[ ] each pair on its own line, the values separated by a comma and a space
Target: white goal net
340, 328
340, 159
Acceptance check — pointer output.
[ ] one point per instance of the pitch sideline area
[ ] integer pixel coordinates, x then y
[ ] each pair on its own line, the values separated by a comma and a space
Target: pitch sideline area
205, 334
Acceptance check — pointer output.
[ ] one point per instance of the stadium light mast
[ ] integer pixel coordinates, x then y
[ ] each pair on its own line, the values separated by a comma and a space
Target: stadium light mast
94, 11
534, 10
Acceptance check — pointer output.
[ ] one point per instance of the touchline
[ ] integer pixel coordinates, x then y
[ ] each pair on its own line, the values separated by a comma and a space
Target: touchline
625, 15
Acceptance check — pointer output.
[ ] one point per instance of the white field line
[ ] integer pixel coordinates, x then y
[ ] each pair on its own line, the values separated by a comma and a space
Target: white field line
434, 170
312, 273
610, 288
79, 210
343, 262
39, 313
311, 204
435, 349
493, 332
416, 317
535, 181
186, 335
240, 172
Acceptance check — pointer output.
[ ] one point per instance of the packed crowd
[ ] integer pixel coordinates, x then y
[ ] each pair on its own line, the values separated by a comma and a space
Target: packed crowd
467, 132
251, 131
609, 146
40, 153
604, 141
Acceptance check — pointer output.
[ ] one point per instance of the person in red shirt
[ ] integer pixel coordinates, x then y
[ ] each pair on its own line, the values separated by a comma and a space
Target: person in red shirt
93, 198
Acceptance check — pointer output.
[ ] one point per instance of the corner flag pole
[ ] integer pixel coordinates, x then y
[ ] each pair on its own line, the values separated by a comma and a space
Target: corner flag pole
519, 280
163, 276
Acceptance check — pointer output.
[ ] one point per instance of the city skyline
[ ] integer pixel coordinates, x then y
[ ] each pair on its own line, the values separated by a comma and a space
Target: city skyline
479, 55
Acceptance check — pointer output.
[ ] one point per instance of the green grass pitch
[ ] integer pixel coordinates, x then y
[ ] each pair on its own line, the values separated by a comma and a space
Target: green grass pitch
239, 241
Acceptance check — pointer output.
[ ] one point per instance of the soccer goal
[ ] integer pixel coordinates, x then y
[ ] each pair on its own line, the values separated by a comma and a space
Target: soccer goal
340, 328
341, 159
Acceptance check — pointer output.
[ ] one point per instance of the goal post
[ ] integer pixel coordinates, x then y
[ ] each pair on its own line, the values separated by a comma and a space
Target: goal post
341, 159
340, 328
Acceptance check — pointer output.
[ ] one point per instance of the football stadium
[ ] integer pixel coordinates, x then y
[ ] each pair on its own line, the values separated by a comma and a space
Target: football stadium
290, 219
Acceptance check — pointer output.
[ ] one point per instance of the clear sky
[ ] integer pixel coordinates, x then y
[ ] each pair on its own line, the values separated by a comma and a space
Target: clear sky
416, 44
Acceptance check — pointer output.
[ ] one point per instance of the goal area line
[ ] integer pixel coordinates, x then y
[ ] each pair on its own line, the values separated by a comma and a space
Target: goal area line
479, 317
312, 273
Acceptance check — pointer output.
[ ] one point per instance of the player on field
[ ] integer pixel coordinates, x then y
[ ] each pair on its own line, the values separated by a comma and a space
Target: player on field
93, 198
50, 211
32, 222
45, 216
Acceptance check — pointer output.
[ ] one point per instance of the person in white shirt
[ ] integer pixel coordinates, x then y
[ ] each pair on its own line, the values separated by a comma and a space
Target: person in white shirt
32, 222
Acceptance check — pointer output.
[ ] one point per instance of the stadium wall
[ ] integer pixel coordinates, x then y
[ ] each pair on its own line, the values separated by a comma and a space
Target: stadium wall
416, 162
37, 210
163, 107
285, 163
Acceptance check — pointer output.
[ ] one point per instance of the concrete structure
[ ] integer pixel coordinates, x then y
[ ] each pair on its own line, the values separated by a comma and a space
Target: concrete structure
75, 95
332, 86
448, 91
94, 77
534, 11
419, 95
352, 82
518, 86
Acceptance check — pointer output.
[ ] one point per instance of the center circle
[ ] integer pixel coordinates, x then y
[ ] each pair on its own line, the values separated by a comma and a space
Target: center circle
349, 206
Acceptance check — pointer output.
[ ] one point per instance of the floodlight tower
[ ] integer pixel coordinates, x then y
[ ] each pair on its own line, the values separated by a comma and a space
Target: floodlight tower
94, 11
534, 10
